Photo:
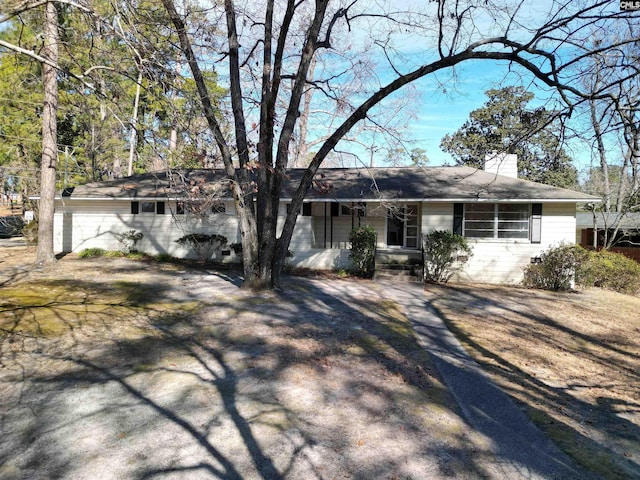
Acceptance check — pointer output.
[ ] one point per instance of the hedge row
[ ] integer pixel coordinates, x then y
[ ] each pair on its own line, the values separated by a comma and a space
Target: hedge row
567, 266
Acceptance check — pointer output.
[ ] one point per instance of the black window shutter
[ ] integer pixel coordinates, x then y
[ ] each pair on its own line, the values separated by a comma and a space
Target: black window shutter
536, 222
135, 208
306, 209
160, 208
335, 209
458, 215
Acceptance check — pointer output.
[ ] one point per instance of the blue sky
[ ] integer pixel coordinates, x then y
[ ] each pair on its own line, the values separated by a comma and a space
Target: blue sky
444, 104
441, 113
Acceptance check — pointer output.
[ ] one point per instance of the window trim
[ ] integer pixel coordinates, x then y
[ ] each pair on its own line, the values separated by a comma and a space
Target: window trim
353, 209
532, 222
158, 207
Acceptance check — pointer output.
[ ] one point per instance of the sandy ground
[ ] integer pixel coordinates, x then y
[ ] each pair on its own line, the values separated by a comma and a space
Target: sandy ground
187, 376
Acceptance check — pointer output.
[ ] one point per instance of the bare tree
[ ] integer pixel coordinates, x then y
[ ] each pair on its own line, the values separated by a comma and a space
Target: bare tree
613, 111
267, 43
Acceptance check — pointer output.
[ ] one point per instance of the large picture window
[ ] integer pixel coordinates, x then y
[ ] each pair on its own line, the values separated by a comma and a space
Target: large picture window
496, 220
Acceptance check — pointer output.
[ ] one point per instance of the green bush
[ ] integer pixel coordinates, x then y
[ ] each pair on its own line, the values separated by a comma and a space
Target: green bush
164, 258
444, 253
136, 256
566, 265
610, 270
202, 244
92, 252
558, 270
363, 250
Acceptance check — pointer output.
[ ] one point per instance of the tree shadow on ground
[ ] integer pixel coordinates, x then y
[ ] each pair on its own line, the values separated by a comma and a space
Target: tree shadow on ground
557, 408
317, 382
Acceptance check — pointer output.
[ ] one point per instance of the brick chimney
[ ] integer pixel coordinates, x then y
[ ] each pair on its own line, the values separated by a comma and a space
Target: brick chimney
505, 164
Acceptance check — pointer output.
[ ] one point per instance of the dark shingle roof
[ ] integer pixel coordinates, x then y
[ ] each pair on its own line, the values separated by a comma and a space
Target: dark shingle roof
349, 184
627, 221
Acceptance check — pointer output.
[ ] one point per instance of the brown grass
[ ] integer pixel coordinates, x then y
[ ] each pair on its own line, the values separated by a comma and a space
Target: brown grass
342, 377
571, 359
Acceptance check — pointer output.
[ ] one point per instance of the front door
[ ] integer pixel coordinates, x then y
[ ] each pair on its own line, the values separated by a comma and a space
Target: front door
402, 226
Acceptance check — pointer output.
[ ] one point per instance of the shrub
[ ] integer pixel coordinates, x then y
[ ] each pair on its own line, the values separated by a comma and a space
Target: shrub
163, 258
128, 240
558, 269
137, 256
92, 252
363, 250
444, 253
287, 261
610, 270
203, 245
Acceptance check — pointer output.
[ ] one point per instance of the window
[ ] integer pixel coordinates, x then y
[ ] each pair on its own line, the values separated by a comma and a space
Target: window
356, 209
147, 207
306, 209
496, 220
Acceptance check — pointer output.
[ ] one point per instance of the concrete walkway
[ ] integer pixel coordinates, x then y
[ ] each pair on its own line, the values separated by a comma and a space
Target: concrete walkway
521, 449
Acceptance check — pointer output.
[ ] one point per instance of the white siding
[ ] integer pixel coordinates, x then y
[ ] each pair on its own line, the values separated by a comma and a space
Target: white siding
85, 224
558, 223
503, 261
96, 224
93, 206
437, 216
303, 235
498, 261
321, 259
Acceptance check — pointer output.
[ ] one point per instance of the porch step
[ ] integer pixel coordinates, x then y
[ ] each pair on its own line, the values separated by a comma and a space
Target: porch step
404, 266
402, 257
397, 278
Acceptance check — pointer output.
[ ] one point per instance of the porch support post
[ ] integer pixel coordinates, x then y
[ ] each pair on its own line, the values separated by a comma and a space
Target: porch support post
331, 235
324, 231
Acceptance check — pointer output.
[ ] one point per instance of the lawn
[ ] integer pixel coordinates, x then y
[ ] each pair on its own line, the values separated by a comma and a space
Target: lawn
572, 360
113, 368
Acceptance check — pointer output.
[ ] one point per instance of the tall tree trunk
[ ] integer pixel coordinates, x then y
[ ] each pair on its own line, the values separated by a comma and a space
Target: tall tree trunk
44, 253
635, 158
134, 127
239, 179
602, 155
300, 160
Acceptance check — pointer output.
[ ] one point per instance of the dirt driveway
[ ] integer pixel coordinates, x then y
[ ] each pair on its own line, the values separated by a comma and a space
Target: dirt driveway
112, 368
